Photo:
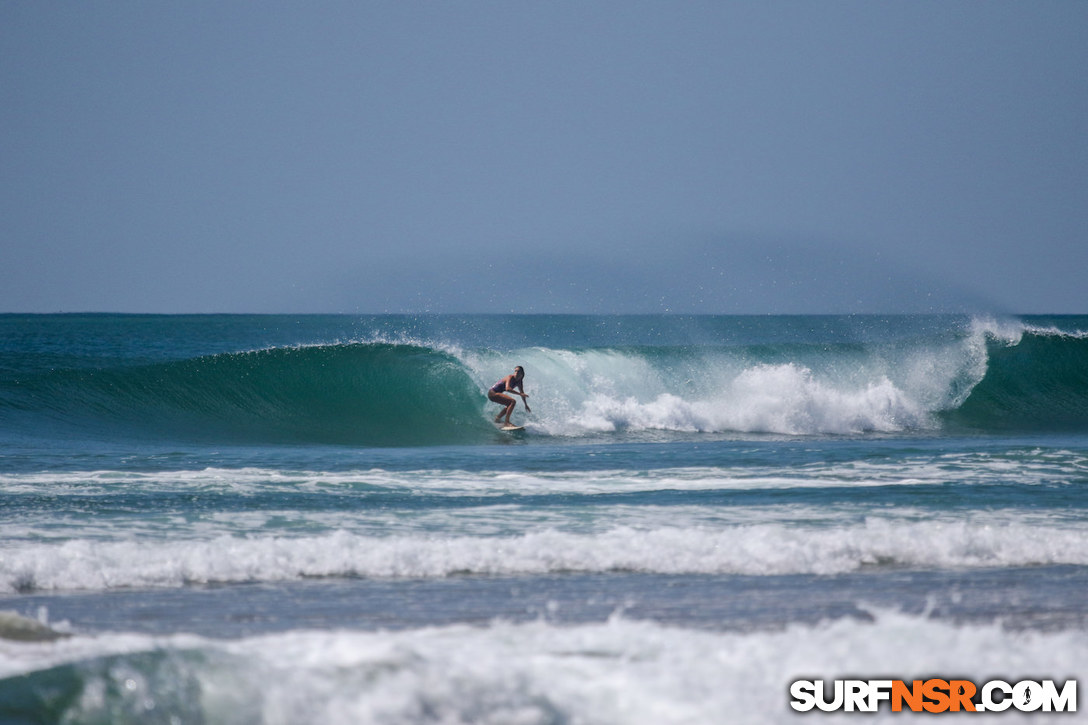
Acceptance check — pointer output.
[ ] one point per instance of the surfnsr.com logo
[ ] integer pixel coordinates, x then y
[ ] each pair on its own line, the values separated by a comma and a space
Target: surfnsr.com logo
934, 696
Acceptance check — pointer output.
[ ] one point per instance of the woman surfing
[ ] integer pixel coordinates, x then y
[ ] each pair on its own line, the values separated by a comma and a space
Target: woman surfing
507, 384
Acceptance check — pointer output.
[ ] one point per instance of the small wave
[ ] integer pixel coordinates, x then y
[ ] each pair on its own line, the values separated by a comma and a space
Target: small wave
17, 628
618, 671
760, 550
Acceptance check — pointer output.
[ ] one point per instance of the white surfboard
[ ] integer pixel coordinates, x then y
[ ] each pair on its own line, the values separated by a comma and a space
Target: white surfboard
512, 427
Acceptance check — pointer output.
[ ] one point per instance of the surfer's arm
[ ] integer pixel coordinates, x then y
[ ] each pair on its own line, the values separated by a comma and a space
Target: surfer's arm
521, 391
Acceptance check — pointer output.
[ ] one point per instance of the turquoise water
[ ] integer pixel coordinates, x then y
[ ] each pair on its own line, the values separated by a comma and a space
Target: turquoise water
312, 518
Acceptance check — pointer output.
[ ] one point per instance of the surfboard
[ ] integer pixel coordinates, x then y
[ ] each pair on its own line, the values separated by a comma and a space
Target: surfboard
512, 427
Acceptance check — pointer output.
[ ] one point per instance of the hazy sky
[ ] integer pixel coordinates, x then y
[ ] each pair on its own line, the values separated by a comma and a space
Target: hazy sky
515, 156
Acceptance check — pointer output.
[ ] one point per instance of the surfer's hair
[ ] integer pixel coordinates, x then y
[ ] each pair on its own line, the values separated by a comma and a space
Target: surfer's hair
519, 371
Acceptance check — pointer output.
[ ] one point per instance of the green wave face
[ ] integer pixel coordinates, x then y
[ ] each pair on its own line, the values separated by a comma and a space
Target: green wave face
374, 394
1039, 384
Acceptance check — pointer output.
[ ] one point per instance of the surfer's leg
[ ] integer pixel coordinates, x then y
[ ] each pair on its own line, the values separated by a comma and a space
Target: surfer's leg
506, 401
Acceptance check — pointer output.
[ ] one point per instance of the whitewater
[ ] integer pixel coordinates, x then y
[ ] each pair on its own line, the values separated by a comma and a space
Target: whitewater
294, 519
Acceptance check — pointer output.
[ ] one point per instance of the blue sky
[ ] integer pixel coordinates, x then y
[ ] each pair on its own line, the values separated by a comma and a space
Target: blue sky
715, 157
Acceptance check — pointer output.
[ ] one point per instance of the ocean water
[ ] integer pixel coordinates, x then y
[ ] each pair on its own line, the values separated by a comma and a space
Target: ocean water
312, 519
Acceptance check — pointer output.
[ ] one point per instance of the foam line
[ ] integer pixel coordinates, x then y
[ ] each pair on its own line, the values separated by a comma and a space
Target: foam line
763, 549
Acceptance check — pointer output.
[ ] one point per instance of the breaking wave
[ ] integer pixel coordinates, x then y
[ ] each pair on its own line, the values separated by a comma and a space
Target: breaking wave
985, 376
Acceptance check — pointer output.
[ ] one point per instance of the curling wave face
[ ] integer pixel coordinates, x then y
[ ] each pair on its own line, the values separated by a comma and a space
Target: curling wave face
357, 393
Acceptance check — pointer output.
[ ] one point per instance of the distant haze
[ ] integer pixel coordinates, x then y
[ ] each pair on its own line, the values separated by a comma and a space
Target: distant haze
717, 157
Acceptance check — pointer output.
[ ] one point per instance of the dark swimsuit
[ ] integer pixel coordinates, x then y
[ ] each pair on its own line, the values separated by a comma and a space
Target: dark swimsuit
499, 387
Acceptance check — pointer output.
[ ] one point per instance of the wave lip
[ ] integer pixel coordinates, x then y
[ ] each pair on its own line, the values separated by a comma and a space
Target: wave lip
1036, 380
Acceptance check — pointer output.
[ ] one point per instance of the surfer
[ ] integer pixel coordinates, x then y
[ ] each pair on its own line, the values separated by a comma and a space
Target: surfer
495, 394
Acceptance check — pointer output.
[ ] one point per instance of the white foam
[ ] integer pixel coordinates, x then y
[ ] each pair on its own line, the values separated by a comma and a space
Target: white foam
619, 671
1029, 468
880, 389
762, 549
784, 399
